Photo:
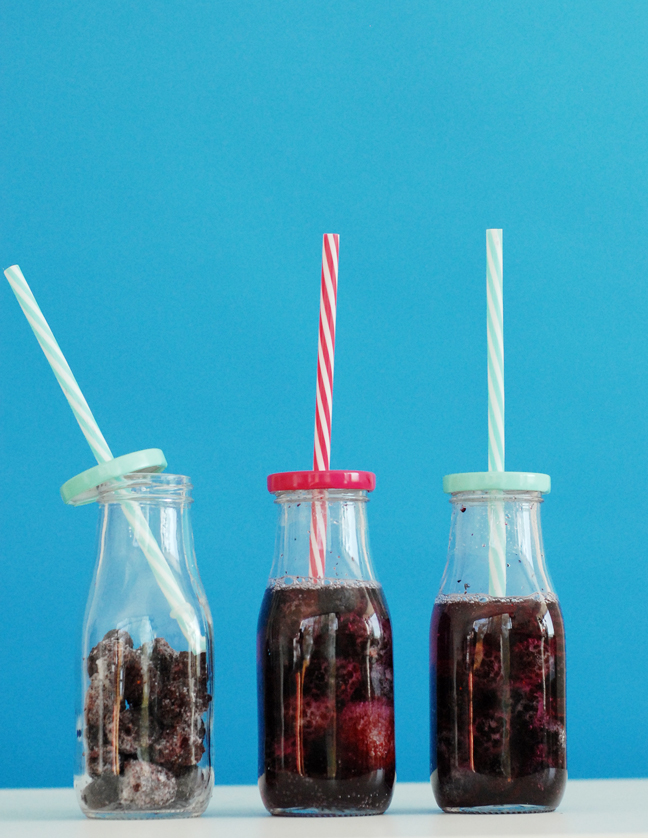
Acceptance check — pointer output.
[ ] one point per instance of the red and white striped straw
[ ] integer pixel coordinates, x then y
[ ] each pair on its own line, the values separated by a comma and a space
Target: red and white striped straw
324, 403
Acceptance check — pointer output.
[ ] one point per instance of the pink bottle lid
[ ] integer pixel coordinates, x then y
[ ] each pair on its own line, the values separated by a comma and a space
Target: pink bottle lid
294, 481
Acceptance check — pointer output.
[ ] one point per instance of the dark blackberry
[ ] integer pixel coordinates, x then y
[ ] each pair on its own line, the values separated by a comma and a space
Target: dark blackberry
129, 739
100, 761
110, 647
347, 679
162, 657
102, 792
316, 678
101, 697
180, 745
138, 689
315, 717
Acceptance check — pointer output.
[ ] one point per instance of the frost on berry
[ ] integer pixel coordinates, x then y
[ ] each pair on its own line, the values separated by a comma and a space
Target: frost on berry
102, 792
180, 745
146, 786
143, 712
111, 648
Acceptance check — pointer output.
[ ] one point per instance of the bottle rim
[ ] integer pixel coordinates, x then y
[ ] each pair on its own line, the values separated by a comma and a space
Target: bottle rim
144, 487
474, 497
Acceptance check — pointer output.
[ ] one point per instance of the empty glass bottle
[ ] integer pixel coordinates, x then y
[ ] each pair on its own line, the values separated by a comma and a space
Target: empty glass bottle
144, 724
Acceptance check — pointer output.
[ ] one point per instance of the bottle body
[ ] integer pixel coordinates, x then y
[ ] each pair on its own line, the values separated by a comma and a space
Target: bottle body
144, 724
325, 670
497, 664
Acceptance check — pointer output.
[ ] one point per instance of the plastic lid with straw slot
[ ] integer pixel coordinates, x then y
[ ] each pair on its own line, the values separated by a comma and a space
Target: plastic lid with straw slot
503, 481
295, 481
85, 487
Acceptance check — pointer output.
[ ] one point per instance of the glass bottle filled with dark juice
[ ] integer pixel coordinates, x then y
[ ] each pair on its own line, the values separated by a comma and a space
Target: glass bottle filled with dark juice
497, 654
325, 670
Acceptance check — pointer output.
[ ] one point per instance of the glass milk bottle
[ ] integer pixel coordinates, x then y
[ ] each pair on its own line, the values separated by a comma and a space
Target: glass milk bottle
497, 653
144, 722
324, 655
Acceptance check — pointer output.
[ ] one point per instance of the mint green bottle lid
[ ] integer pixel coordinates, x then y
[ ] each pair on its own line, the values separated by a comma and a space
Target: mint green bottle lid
84, 488
505, 481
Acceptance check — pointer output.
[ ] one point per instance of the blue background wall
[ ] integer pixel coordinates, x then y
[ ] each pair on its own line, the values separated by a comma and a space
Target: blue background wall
168, 170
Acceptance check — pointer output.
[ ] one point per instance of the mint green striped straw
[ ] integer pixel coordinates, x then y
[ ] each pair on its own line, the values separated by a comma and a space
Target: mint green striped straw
495, 339
181, 610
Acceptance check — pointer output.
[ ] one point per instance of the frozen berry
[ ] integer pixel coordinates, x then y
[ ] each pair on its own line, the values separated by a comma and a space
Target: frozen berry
162, 657
130, 737
315, 717
316, 677
141, 682
146, 786
92, 736
101, 697
531, 660
179, 745
102, 760
347, 679
102, 792
110, 648
366, 736
174, 701
488, 743
487, 662
354, 636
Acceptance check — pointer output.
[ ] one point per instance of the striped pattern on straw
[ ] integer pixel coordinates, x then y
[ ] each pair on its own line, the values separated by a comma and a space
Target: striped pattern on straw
59, 365
181, 610
324, 400
495, 340
495, 335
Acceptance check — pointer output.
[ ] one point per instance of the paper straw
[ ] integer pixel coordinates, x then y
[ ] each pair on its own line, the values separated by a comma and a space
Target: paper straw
181, 610
495, 339
324, 400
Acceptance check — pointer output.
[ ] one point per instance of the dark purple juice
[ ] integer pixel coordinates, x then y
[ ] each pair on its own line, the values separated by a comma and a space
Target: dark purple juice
326, 698
498, 703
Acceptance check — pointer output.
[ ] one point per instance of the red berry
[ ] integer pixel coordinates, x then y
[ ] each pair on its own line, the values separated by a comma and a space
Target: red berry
366, 735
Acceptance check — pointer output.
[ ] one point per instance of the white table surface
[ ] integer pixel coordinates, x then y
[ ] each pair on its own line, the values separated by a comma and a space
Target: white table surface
589, 808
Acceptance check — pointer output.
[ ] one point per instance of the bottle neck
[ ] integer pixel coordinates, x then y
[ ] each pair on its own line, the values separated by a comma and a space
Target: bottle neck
340, 517
496, 545
172, 490
146, 576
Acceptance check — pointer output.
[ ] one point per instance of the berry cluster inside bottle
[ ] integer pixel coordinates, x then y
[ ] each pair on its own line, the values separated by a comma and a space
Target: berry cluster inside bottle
145, 731
326, 701
498, 703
